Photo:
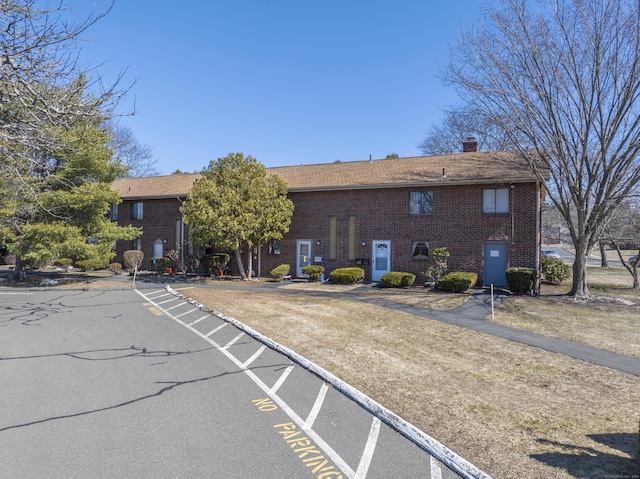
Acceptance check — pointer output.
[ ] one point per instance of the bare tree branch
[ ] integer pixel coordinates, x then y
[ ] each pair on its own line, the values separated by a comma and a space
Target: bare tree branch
562, 80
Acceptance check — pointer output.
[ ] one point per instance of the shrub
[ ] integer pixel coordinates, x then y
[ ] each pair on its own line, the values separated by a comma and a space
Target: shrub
520, 280
10, 259
91, 264
160, 264
133, 258
63, 262
436, 264
457, 282
115, 268
347, 275
554, 270
315, 272
280, 272
395, 279
212, 263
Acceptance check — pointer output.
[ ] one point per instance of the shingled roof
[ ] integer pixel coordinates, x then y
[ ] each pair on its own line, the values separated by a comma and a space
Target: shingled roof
421, 171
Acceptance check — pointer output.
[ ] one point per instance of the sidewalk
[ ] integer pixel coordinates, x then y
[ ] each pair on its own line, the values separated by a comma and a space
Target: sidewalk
474, 313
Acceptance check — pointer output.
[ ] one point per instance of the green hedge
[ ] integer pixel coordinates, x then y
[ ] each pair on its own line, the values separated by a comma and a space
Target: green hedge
91, 264
554, 270
160, 264
212, 263
315, 272
520, 280
280, 272
396, 279
457, 282
346, 275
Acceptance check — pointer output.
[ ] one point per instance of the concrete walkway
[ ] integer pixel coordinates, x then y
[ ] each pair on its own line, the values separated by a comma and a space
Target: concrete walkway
474, 313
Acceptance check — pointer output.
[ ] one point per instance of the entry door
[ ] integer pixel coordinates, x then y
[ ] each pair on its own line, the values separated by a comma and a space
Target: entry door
381, 259
158, 247
495, 264
304, 257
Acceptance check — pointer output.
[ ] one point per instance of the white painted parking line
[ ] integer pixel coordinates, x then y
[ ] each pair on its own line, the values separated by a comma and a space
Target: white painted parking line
198, 320
367, 455
168, 301
161, 292
233, 341
187, 312
255, 356
213, 331
436, 471
176, 306
297, 421
294, 431
317, 405
281, 380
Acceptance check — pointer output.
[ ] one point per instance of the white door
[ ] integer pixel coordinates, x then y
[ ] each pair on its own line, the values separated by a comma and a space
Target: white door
158, 247
303, 257
381, 259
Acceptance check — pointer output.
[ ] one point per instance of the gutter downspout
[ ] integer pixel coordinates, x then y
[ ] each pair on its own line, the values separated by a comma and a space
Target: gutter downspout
181, 236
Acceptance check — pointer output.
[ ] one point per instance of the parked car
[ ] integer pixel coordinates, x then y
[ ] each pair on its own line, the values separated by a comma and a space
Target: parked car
549, 253
633, 259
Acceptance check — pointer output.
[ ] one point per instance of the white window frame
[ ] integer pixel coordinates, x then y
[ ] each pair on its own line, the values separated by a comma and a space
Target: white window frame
420, 244
420, 203
137, 210
495, 200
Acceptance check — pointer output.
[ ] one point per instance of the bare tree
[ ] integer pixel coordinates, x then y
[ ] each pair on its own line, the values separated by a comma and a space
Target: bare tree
562, 79
135, 156
41, 83
459, 124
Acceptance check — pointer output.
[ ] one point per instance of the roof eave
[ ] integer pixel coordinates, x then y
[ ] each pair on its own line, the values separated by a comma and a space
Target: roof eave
421, 184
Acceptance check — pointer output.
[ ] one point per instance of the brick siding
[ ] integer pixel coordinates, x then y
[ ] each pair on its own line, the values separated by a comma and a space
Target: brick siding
457, 223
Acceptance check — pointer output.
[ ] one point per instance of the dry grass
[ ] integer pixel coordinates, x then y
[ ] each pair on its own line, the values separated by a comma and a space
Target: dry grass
513, 410
611, 321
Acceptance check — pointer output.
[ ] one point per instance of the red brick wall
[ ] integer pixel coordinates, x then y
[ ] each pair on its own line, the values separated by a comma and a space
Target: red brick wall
457, 222
158, 222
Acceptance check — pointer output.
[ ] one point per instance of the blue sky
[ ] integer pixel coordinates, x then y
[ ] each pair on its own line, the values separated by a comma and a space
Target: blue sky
286, 81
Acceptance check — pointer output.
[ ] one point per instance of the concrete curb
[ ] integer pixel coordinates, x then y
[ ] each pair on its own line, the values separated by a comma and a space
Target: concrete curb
450, 459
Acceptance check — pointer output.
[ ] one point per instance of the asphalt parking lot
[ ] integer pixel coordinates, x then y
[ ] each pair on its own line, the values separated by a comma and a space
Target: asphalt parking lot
146, 384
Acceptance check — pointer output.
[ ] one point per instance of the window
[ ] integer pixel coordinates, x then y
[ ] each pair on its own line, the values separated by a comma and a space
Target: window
113, 213
273, 246
420, 202
136, 244
495, 200
136, 210
420, 249
333, 233
351, 233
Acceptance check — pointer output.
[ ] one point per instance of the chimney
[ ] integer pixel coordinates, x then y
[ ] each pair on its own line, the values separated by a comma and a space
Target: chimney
470, 145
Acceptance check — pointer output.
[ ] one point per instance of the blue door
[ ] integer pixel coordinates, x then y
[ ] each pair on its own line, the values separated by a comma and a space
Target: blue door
495, 264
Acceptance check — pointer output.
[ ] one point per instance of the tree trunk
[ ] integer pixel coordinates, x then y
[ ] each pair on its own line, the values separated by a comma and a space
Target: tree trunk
249, 260
20, 272
239, 260
604, 262
579, 289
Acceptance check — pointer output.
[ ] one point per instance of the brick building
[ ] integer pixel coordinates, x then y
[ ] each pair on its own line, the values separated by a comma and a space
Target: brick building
382, 215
